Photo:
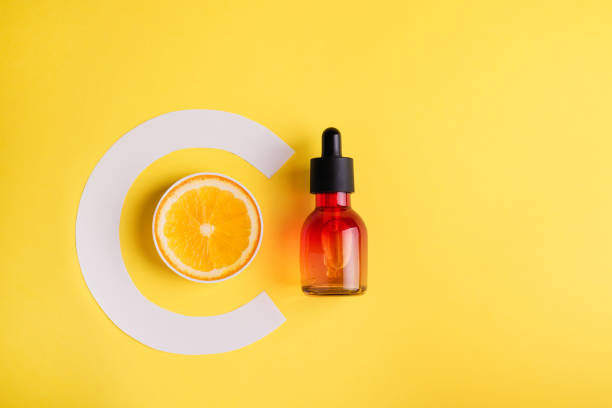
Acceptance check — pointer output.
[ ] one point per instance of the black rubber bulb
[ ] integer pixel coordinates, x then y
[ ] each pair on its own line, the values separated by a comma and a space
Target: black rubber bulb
332, 146
331, 173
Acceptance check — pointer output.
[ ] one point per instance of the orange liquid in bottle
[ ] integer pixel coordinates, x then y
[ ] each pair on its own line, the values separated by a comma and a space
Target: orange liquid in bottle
334, 248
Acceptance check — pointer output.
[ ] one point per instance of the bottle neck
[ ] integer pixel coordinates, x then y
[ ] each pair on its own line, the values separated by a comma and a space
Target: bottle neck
333, 200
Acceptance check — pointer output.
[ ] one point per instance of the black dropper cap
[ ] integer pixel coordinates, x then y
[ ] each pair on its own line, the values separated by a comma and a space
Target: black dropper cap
331, 173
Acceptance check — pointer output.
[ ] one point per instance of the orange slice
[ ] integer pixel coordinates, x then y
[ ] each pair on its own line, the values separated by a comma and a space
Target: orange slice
207, 227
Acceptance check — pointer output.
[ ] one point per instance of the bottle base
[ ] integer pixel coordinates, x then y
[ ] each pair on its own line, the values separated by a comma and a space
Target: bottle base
332, 290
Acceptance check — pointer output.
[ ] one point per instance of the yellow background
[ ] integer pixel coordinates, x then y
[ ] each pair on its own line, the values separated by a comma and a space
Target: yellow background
482, 138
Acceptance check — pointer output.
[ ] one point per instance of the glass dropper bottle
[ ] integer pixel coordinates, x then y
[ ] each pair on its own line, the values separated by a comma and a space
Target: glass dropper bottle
334, 237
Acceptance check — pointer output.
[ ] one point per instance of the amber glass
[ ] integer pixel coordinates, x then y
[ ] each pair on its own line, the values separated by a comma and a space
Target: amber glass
333, 248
